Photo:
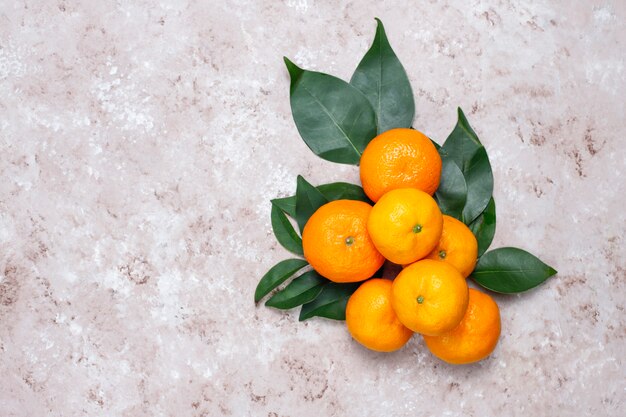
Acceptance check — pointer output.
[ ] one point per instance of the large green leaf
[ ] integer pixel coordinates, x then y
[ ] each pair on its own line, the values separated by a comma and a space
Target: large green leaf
334, 118
343, 191
510, 270
462, 143
302, 289
452, 192
284, 231
333, 191
278, 274
308, 200
383, 80
484, 227
330, 303
479, 179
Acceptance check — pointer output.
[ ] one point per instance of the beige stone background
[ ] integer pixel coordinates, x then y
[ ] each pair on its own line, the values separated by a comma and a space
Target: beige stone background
141, 141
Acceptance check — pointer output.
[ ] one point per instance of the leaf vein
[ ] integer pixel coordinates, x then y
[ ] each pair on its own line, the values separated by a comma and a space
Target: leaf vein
332, 118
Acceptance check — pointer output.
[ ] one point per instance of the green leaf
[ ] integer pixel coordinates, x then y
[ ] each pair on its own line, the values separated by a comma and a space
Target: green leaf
287, 205
302, 289
464, 147
484, 227
343, 191
510, 270
333, 191
295, 73
334, 118
278, 274
452, 192
330, 303
284, 232
462, 143
479, 179
383, 80
308, 200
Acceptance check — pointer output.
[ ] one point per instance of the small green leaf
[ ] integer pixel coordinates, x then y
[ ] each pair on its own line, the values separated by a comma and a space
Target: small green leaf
334, 118
479, 179
462, 143
452, 192
484, 227
330, 303
308, 200
510, 270
278, 274
302, 289
343, 191
287, 205
333, 191
284, 232
383, 80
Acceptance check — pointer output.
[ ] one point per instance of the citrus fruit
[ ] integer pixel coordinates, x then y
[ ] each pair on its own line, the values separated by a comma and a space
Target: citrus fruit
430, 297
372, 321
336, 243
399, 158
457, 246
405, 225
475, 337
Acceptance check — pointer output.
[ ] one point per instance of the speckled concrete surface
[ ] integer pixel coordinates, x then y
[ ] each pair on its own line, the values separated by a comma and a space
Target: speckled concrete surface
141, 141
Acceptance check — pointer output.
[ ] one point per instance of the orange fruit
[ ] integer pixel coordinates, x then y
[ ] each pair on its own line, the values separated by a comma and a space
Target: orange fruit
475, 337
399, 158
430, 297
457, 246
405, 225
336, 243
372, 321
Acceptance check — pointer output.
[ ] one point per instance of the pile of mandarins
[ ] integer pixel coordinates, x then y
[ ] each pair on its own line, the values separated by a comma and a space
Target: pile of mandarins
349, 240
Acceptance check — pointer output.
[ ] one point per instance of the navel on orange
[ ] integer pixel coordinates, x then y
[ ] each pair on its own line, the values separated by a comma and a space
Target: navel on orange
372, 321
457, 246
399, 158
405, 225
476, 335
336, 242
430, 297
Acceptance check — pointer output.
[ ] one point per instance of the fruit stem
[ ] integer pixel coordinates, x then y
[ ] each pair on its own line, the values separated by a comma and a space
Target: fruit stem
417, 228
420, 299
442, 254
349, 240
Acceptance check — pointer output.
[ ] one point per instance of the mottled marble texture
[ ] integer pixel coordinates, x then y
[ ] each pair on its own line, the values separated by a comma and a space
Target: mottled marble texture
141, 141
